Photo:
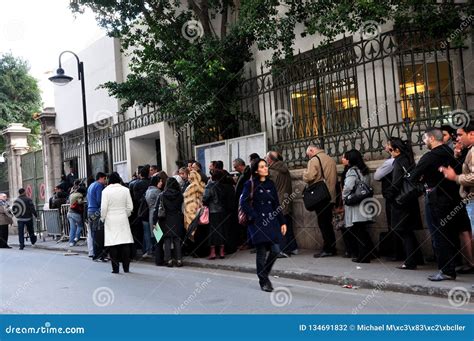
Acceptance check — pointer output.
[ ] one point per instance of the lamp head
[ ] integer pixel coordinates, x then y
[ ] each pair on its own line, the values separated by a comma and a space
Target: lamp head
60, 78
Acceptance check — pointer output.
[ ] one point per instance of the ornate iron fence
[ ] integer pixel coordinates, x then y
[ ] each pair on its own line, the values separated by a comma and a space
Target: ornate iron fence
349, 94
355, 94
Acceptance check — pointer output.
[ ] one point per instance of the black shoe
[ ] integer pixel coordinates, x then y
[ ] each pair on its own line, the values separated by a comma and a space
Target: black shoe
6, 247
22, 247
169, 263
283, 255
269, 284
324, 254
115, 271
406, 267
179, 263
466, 270
440, 276
267, 287
359, 260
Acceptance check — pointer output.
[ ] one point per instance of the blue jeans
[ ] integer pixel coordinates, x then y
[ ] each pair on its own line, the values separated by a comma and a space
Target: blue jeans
147, 245
76, 224
264, 262
21, 231
470, 212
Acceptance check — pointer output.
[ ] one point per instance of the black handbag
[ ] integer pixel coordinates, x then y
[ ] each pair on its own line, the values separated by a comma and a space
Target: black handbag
409, 190
316, 193
360, 192
161, 208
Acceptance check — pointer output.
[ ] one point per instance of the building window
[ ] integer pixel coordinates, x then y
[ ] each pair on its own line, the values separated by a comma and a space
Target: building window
329, 107
425, 89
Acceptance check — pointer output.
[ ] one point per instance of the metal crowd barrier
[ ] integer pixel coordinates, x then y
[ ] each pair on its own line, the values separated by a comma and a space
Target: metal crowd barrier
55, 223
52, 222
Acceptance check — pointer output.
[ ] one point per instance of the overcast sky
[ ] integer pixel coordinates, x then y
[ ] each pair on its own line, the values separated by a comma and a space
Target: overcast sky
39, 30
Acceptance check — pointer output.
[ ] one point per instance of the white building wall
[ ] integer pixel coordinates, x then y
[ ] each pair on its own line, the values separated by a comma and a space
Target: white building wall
100, 65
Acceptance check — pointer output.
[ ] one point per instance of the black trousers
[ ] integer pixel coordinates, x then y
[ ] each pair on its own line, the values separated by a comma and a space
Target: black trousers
159, 253
363, 241
176, 241
324, 214
3, 236
412, 249
444, 232
267, 253
120, 253
289, 240
396, 242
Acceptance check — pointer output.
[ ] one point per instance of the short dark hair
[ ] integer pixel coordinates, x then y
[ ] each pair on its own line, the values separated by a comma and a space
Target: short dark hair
190, 161
254, 156
468, 128
446, 127
154, 180
114, 178
219, 165
436, 133
100, 175
154, 166
198, 164
217, 175
239, 162
21, 191
145, 172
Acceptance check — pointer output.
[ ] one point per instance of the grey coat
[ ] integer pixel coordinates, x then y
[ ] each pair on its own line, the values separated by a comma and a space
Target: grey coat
356, 213
151, 196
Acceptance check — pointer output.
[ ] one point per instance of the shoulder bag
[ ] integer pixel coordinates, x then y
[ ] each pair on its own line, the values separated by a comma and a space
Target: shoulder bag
317, 192
360, 192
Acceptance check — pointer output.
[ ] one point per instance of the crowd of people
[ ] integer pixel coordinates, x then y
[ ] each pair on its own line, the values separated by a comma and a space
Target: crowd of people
190, 213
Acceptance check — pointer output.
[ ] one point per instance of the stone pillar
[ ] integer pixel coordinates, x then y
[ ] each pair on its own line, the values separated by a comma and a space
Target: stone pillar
16, 145
52, 150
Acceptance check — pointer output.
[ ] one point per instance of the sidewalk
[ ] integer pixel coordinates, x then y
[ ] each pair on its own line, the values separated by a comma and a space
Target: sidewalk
379, 275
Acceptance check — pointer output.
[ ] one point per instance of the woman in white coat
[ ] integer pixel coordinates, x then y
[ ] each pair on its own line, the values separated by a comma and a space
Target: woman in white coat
116, 207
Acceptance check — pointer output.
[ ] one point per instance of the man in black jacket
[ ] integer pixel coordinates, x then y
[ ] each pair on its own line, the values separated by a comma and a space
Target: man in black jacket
24, 210
442, 196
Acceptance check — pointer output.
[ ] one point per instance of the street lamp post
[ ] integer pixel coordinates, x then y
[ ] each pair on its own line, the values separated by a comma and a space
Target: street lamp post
61, 79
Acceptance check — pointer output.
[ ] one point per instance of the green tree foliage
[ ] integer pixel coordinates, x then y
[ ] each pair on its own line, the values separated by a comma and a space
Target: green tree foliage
19, 97
187, 56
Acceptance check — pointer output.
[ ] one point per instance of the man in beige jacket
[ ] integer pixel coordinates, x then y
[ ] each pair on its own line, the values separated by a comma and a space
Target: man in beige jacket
466, 180
324, 211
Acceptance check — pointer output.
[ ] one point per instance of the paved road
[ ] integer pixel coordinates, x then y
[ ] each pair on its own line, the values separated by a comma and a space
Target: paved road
37, 281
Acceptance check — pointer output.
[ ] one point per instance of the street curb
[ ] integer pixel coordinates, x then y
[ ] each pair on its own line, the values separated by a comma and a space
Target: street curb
335, 280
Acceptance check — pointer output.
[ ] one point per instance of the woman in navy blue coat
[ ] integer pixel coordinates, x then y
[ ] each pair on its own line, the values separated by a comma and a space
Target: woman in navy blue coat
265, 219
